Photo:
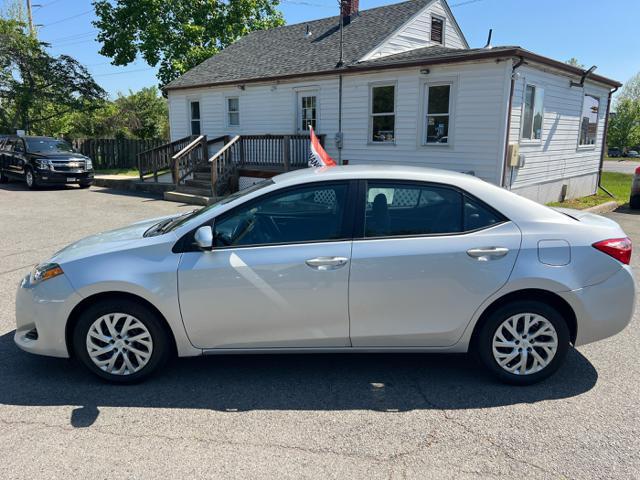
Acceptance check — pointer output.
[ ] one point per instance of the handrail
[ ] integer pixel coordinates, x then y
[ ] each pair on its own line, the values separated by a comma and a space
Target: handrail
224, 149
188, 148
165, 145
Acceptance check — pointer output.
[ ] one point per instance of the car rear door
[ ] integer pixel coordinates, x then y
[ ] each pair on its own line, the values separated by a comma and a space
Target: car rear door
278, 276
426, 258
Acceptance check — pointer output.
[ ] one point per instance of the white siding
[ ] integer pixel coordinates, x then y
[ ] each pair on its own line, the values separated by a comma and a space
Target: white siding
557, 156
416, 33
477, 129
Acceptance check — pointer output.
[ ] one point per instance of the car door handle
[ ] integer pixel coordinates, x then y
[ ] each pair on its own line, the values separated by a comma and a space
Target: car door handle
327, 263
487, 253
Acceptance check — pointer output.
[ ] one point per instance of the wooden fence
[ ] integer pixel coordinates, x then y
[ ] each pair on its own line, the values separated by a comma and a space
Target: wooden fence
114, 152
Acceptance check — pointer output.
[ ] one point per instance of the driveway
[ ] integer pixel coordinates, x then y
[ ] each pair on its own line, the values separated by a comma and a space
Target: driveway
624, 166
314, 416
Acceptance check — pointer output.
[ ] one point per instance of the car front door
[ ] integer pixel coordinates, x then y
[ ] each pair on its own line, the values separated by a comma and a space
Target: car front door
427, 257
278, 274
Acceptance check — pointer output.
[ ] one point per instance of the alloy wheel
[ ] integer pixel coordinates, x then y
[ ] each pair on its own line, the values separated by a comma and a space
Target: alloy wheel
119, 344
29, 178
525, 343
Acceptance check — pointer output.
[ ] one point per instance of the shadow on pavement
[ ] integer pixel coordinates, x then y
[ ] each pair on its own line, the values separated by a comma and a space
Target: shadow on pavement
232, 383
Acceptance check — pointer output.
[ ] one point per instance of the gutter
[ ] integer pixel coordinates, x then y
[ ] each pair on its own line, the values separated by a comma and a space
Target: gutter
509, 111
604, 142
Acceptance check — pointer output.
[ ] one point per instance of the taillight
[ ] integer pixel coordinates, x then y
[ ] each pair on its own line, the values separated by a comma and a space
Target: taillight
618, 248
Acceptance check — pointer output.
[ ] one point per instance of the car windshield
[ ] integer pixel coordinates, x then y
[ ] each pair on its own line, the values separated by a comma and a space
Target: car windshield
45, 145
175, 222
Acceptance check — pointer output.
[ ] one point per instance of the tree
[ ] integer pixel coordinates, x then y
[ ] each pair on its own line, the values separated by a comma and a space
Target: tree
624, 126
144, 114
573, 61
631, 88
177, 34
36, 87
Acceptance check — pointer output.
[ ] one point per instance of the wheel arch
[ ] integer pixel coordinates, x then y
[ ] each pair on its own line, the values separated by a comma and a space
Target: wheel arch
112, 295
544, 296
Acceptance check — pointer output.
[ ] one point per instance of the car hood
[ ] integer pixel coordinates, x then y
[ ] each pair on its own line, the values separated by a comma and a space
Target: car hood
120, 239
59, 155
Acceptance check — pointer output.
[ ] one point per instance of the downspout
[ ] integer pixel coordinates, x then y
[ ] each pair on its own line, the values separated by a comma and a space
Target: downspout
338, 138
604, 142
506, 140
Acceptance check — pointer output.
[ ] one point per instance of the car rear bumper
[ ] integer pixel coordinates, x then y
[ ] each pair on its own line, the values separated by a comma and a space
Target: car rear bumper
61, 178
605, 309
41, 316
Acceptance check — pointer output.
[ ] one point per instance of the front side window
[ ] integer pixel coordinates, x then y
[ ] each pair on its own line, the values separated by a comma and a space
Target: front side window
308, 112
383, 118
195, 118
303, 214
589, 122
437, 28
401, 209
533, 113
437, 113
233, 111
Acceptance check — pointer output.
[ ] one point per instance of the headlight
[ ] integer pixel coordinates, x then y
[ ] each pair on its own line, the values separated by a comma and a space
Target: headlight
43, 272
89, 164
43, 164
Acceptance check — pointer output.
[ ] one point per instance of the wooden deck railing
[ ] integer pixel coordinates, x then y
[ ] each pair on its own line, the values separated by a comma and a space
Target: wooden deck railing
160, 158
185, 162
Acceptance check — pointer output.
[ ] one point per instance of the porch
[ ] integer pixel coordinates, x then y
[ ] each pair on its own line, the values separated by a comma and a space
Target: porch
202, 169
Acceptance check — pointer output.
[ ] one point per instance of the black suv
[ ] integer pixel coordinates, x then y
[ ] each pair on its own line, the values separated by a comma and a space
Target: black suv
43, 160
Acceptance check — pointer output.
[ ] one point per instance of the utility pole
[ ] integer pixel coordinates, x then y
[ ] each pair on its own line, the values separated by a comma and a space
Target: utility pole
30, 15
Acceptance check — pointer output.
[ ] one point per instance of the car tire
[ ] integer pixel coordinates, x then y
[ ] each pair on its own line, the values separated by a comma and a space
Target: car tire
3, 177
101, 341
532, 332
85, 185
30, 179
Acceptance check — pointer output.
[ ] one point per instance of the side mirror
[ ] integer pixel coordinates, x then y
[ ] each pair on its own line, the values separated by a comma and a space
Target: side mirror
204, 238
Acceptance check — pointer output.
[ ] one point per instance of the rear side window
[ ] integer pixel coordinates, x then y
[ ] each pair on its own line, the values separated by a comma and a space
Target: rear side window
405, 209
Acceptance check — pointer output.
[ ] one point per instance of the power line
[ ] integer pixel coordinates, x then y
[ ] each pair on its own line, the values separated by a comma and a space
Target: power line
464, 3
48, 4
73, 37
68, 18
122, 73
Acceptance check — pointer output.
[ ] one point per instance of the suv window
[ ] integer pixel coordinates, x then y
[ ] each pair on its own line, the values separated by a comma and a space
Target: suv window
301, 214
404, 209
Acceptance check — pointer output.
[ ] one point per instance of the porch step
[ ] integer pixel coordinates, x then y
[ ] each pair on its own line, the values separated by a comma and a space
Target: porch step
205, 176
197, 183
189, 198
204, 191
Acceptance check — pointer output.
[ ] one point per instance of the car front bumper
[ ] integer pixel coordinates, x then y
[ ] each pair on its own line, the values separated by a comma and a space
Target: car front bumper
605, 309
60, 178
41, 316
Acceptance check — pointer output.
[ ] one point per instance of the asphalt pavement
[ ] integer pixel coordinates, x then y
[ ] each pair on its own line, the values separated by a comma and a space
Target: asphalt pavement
621, 166
304, 416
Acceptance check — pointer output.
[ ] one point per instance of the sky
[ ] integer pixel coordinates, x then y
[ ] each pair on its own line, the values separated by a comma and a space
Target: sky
596, 32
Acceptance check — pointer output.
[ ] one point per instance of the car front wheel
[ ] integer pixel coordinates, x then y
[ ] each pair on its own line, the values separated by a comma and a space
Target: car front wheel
523, 342
121, 341
30, 179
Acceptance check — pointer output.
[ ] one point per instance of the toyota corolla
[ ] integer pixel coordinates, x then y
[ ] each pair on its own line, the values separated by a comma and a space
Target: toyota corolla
344, 259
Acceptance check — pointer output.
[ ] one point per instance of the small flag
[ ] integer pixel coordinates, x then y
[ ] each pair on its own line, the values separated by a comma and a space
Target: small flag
317, 156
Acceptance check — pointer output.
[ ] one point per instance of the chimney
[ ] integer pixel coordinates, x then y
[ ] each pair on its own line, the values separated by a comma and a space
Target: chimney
348, 10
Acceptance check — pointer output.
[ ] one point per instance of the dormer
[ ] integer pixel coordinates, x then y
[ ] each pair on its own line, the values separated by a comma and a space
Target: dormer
433, 26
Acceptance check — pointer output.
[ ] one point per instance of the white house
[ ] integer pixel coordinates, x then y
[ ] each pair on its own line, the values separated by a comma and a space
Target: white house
406, 89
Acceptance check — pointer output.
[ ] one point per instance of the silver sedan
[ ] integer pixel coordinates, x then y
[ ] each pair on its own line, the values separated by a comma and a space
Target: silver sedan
344, 259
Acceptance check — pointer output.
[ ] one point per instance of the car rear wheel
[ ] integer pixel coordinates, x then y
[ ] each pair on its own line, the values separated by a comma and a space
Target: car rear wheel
3, 177
523, 342
121, 341
30, 179
85, 185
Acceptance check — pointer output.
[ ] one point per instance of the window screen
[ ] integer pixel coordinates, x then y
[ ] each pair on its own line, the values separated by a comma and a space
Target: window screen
437, 27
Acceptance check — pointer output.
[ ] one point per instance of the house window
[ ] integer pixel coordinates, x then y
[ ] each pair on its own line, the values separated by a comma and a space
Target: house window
437, 29
533, 113
233, 111
589, 122
383, 118
195, 118
308, 112
438, 110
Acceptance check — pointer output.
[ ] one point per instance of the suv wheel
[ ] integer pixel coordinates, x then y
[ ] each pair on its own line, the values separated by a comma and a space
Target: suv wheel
30, 179
121, 341
523, 342
3, 177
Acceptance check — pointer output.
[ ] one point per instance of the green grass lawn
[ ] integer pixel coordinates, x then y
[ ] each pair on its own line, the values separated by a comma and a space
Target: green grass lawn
131, 172
619, 184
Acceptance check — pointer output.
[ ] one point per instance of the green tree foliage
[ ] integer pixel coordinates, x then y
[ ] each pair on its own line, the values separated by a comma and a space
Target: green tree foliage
143, 114
631, 88
177, 34
573, 61
35, 87
624, 126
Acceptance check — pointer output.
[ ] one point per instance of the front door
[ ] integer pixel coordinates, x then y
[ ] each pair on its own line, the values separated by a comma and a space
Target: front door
278, 276
307, 111
428, 257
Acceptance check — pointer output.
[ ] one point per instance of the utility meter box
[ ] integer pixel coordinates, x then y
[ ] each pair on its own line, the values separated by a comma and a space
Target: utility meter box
514, 155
